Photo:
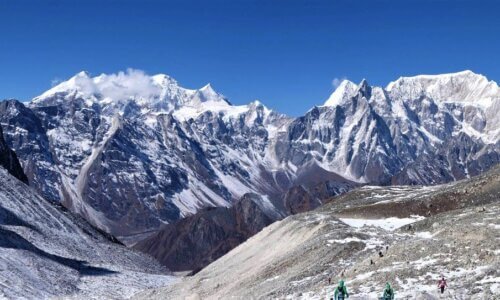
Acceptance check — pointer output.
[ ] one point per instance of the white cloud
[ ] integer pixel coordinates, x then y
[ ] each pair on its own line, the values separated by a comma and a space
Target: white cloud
119, 86
337, 81
125, 84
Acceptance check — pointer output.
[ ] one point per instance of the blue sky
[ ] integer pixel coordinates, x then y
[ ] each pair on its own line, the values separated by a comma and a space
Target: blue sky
284, 53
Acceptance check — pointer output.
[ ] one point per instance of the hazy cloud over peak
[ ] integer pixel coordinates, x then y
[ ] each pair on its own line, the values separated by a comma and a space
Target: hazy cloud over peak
337, 81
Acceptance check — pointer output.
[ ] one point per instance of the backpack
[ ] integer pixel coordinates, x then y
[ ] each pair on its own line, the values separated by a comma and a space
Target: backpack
341, 291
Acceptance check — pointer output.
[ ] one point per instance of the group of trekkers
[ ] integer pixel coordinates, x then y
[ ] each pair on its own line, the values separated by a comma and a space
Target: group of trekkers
388, 294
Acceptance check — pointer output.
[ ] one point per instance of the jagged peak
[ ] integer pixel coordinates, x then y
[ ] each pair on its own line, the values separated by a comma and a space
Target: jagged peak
208, 87
364, 88
208, 94
363, 83
208, 90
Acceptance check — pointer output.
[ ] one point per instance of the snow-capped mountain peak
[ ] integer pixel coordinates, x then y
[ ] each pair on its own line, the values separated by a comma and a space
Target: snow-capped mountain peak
103, 88
343, 92
76, 83
158, 92
346, 90
164, 80
208, 94
208, 89
81, 74
464, 87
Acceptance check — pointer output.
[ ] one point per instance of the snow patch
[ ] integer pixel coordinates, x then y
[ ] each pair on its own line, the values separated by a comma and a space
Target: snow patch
390, 224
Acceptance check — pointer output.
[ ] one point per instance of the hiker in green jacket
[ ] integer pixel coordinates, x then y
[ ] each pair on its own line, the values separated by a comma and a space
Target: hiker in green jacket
388, 292
341, 291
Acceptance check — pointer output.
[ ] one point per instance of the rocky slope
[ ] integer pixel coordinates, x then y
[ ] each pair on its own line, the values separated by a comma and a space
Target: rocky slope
131, 153
449, 230
45, 252
195, 241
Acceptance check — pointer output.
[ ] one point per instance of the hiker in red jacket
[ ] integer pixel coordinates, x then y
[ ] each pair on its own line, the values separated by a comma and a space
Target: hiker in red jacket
442, 284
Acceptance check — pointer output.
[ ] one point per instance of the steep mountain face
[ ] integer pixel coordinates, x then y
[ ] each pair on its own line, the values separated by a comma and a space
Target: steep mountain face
131, 152
195, 241
45, 252
418, 130
9, 161
422, 232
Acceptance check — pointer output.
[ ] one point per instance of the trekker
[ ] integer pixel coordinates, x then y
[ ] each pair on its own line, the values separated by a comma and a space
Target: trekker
341, 291
388, 292
442, 284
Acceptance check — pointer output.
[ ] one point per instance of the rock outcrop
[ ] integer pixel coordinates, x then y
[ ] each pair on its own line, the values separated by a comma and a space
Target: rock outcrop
9, 161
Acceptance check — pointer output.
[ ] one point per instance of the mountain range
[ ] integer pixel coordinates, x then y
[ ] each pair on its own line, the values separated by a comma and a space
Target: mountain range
133, 153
